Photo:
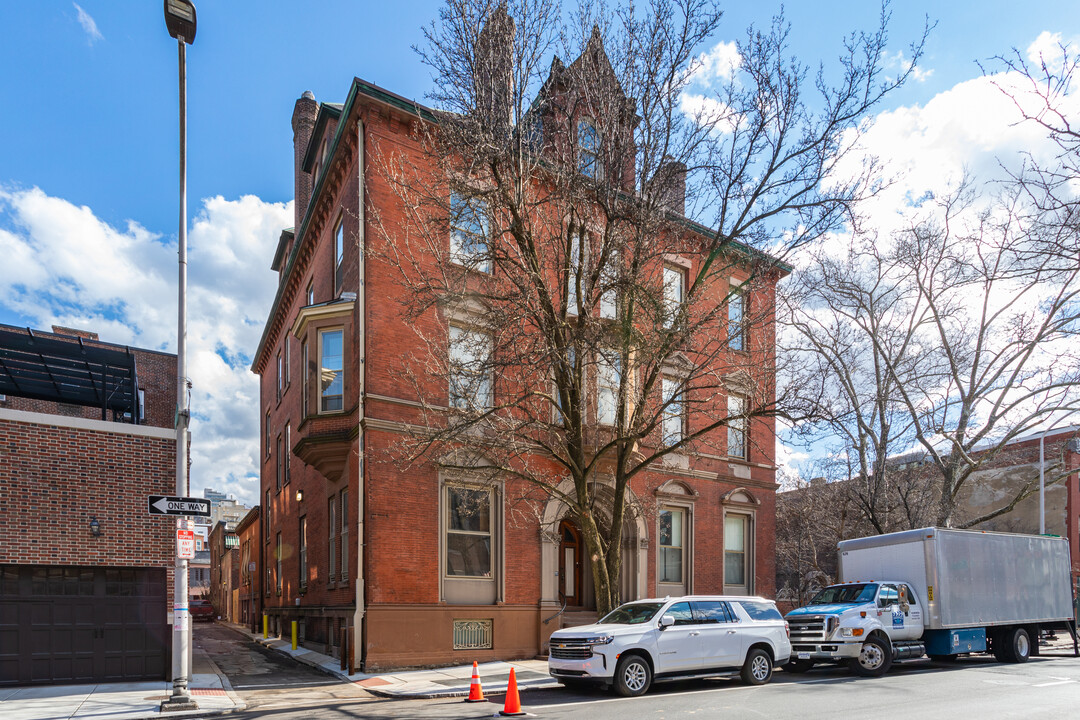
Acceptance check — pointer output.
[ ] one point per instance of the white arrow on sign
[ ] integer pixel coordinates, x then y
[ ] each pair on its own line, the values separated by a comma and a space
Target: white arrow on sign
192, 508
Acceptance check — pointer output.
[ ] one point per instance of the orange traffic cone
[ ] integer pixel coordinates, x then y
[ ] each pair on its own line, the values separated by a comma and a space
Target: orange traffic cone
513, 702
476, 693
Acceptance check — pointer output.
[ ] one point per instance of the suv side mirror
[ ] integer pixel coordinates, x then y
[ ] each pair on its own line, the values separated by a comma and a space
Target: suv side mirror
667, 621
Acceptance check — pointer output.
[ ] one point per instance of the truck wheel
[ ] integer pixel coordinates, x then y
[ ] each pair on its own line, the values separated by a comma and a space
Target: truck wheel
1017, 645
757, 670
632, 676
875, 658
798, 666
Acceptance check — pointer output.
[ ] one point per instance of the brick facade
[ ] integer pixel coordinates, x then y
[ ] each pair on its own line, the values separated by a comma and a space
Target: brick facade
62, 467
391, 599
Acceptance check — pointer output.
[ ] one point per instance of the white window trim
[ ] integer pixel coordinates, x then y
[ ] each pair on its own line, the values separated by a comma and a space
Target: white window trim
453, 588
319, 393
738, 425
683, 413
477, 403
673, 306
457, 255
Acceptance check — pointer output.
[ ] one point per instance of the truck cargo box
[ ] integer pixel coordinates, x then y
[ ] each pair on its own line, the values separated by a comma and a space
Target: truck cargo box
969, 578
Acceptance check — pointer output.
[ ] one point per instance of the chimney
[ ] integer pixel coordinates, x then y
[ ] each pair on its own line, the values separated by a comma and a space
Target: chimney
493, 76
671, 179
303, 123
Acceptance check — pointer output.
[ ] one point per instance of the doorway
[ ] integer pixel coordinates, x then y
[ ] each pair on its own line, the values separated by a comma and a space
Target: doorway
570, 554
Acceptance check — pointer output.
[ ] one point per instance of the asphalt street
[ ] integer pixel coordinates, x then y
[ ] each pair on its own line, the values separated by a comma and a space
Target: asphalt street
1045, 687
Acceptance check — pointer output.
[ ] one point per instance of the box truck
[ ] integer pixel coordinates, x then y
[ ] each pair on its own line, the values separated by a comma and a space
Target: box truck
937, 592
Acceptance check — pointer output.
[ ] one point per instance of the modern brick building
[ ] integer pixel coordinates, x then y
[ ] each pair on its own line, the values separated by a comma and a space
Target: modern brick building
369, 553
85, 435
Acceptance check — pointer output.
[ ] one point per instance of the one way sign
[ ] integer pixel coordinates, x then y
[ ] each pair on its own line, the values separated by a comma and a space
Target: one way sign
165, 505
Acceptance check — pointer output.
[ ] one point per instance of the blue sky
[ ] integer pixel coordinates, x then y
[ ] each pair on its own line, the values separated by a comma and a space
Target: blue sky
88, 171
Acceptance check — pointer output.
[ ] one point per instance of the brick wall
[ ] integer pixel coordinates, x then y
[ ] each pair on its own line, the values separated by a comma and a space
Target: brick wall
54, 479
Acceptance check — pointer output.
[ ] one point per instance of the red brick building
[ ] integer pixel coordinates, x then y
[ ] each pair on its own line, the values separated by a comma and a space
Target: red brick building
249, 532
369, 547
85, 435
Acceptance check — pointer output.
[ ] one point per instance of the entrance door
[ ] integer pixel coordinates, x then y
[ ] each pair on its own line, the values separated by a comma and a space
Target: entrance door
570, 547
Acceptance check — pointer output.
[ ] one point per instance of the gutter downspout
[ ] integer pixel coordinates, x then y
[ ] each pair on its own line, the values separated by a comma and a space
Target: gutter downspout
359, 622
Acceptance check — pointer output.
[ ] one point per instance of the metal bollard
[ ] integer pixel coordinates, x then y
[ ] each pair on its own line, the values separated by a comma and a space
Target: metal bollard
266, 626
294, 624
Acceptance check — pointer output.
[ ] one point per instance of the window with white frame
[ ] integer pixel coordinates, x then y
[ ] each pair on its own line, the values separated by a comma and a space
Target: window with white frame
736, 426
674, 293
736, 530
609, 277
579, 251
280, 376
470, 376
310, 295
608, 364
470, 230
468, 532
331, 372
287, 453
267, 434
671, 563
339, 256
589, 149
288, 364
674, 413
737, 319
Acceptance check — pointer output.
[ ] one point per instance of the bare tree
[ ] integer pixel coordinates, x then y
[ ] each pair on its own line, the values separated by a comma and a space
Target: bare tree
955, 341
588, 330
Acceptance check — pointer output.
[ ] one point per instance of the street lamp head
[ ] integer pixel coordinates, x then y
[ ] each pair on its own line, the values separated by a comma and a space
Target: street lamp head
180, 20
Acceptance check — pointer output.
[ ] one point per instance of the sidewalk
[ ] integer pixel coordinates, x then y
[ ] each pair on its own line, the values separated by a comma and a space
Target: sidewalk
418, 684
125, 700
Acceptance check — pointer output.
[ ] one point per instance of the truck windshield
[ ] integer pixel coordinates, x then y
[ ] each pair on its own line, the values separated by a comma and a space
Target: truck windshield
856, 593
631, 614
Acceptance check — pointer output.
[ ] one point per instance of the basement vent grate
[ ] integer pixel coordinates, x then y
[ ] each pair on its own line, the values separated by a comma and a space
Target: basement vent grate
473, 634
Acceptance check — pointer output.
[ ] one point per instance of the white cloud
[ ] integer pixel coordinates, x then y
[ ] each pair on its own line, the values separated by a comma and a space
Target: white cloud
720, 63
65, 266
901, 64
88, 25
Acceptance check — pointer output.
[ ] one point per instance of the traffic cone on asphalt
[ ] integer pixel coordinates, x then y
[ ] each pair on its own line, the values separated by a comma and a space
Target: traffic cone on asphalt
513, 702
476, 693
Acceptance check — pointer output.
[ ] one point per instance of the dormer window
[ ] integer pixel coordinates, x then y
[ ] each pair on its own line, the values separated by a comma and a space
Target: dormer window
589, 149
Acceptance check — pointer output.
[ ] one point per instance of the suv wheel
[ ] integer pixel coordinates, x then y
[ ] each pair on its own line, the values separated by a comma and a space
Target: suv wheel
632, 676
757, 670
875, 658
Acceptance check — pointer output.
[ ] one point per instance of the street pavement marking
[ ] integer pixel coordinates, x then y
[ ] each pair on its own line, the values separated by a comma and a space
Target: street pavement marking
1058, 682
287, 684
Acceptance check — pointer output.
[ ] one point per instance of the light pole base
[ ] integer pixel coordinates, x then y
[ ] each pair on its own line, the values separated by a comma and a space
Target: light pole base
176, 703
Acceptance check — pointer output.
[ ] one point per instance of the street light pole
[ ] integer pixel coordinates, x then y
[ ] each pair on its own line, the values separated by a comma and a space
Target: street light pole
180, 21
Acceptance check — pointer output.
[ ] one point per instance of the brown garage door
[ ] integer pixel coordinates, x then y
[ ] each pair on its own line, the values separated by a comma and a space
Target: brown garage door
81, 624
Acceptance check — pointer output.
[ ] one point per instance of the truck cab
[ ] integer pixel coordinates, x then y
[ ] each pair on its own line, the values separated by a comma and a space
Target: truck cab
866, 624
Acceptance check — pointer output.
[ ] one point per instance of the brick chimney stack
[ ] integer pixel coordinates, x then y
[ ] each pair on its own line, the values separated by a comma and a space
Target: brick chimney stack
672, 178
303, 123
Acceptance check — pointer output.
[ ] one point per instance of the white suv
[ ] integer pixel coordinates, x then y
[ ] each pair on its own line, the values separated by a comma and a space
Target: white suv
650, 641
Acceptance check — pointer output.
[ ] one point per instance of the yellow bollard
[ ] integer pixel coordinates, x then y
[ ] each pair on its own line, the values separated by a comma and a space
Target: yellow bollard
266, 626
294, 623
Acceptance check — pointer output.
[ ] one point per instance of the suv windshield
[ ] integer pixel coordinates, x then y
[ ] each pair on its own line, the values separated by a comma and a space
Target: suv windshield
857, 593
631, 614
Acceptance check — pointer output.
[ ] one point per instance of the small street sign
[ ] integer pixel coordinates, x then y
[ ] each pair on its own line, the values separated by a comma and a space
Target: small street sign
185, 544
165, 505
